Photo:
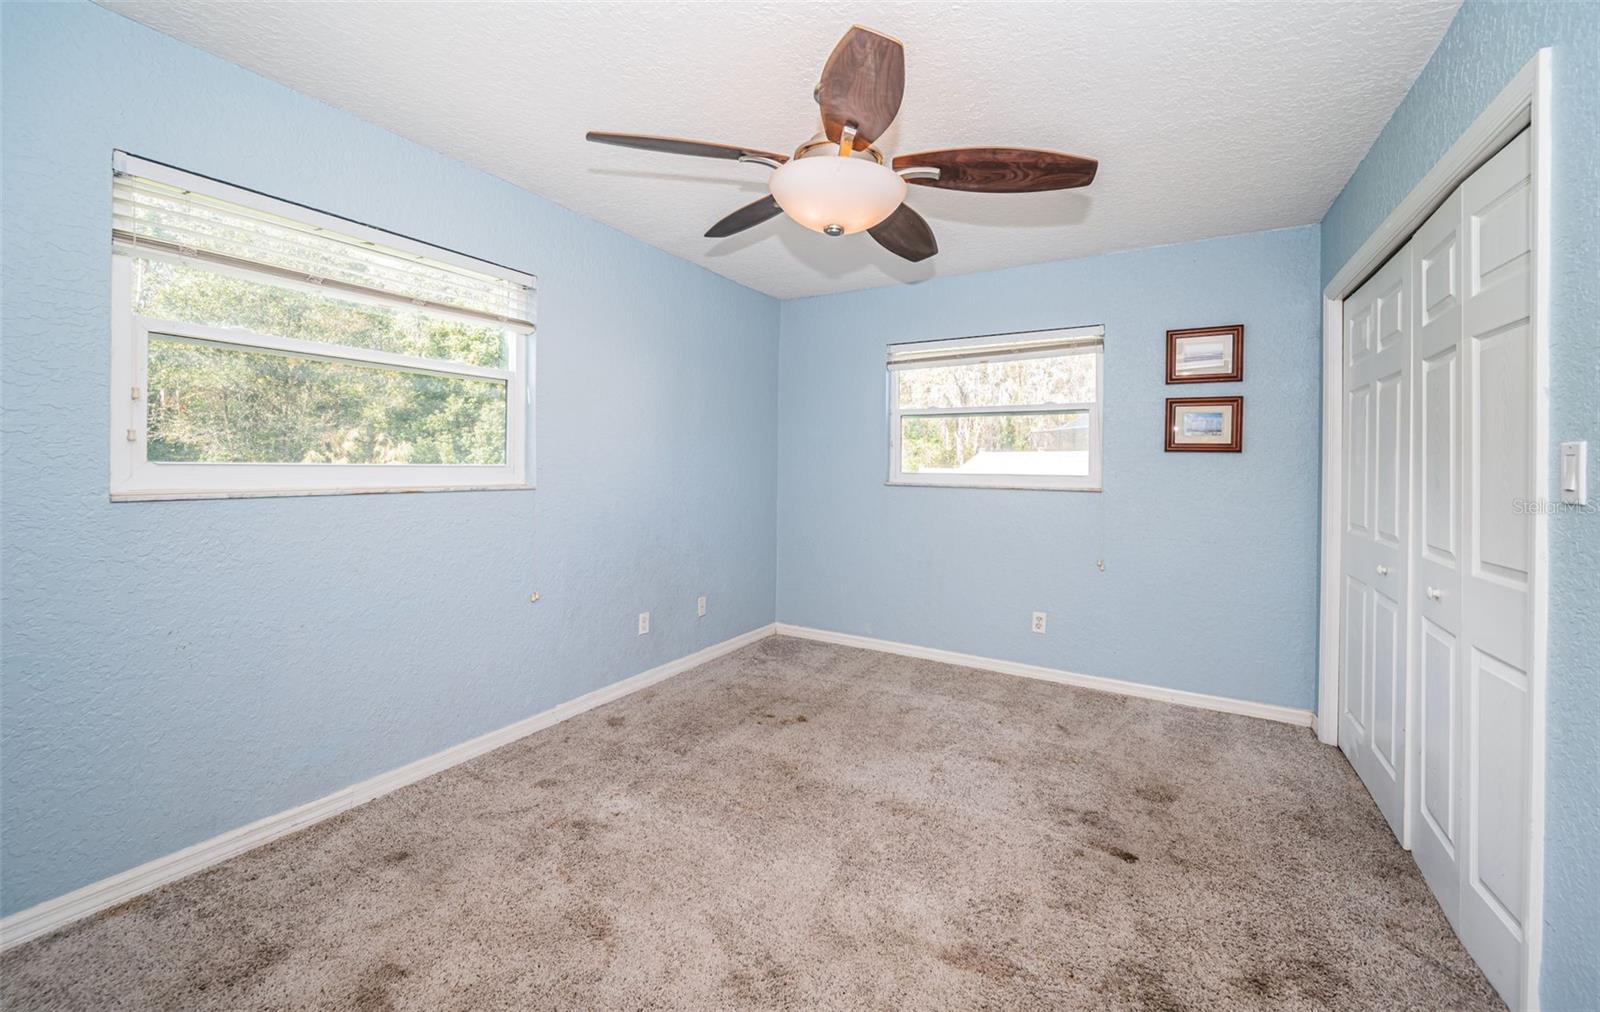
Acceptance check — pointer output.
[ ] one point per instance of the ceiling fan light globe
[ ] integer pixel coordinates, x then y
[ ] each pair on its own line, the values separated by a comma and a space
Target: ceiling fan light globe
837, 196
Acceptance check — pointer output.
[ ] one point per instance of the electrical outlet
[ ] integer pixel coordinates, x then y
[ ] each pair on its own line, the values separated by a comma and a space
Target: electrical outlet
644, 622
1038, 622
700, 606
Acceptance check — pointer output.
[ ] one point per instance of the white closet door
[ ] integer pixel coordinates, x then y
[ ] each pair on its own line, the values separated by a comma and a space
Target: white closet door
1438, 553
1498, 368
1435, 805
1473, 561
1377, 423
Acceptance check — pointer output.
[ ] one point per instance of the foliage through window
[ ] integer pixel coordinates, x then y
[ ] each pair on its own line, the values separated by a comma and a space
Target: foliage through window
261, 348
1011, 411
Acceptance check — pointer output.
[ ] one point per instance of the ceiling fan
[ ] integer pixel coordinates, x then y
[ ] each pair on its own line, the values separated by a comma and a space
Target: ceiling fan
837, 183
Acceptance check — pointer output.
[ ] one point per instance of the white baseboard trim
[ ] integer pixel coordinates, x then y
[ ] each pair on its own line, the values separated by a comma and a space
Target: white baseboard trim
52, 914
1224, 704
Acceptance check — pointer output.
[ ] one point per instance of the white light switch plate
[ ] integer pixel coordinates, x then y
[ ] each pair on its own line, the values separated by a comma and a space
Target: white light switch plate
1574, 475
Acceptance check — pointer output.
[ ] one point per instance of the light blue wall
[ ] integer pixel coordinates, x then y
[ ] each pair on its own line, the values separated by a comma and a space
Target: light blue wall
1211, 559
174, 670
1485, 47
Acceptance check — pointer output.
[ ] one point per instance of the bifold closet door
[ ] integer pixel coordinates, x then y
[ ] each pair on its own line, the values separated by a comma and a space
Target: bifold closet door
1474, 564
1435, 817
1374, 688
1499, 372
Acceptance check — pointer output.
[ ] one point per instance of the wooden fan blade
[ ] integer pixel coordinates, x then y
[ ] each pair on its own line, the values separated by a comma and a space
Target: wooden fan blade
862, 83
1001, 170
906, 234
679, 146
747, 216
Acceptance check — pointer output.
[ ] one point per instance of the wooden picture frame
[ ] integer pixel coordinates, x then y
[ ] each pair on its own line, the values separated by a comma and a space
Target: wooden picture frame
1205, 424
1206, 354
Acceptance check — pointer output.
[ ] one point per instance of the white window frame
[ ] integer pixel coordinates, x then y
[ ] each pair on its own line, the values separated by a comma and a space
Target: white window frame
1008, 347
134, 477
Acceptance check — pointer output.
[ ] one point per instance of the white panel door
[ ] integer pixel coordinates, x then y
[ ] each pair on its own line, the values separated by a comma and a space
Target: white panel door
1498, 371
1474, 370
1436, 558
1374, 701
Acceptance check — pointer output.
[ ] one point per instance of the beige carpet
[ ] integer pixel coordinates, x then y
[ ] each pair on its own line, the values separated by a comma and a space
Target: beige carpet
799, 825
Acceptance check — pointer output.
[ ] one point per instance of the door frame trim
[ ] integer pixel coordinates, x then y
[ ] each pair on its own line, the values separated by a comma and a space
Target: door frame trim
1524, 103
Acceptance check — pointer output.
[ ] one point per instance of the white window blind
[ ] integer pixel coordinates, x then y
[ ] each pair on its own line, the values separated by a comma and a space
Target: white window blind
165, 216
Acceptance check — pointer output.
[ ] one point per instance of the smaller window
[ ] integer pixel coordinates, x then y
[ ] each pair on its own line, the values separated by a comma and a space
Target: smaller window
262, 348
1007, 411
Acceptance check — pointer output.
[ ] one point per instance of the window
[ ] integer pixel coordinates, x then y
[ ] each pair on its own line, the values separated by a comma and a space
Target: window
262, 348
1008, 411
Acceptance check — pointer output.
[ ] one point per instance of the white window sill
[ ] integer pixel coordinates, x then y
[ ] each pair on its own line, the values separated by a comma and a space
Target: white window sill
260, 493
1016, 485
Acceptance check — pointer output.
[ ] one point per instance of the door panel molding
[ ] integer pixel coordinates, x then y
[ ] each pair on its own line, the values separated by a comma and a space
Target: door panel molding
1436, 735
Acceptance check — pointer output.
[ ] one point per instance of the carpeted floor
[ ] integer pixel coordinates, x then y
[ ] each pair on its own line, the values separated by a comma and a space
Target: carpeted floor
801, 825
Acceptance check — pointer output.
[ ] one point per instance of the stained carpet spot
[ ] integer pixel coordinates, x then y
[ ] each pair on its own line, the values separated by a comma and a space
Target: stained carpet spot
1159, 794
972, 959
592, 923
1146, 987
1115, 851
372, 991
1311, 977
243, 971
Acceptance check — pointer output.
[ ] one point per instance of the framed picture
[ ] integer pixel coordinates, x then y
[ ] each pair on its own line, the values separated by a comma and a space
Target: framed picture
1206, 354
1205, 424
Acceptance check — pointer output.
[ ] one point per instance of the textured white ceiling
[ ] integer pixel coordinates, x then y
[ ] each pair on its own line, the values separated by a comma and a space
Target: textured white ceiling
1208, 118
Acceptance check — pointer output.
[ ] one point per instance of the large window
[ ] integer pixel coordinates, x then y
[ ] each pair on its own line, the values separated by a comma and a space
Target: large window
1009, 411
261, 348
